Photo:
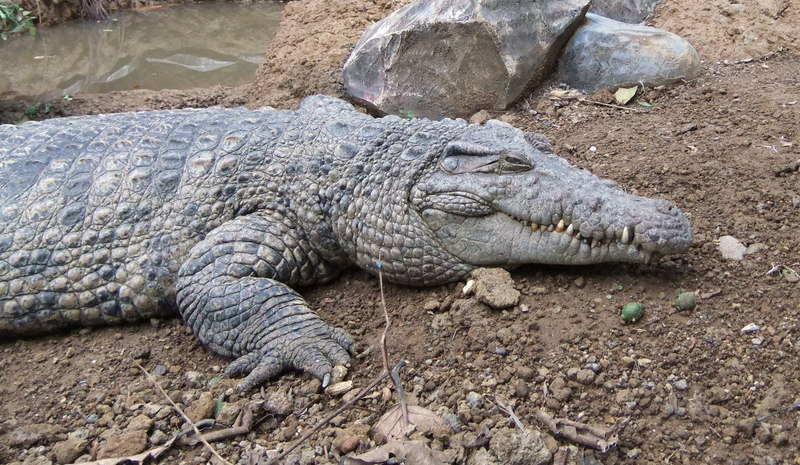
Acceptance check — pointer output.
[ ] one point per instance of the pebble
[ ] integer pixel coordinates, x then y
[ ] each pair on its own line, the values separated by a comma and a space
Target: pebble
474, 400
201, 408
139, 353
70, 449
585, 376
521, 389
525, 373
160, 370
195, 379
751, 328
731, 248
453, 422
681, 384
158, 437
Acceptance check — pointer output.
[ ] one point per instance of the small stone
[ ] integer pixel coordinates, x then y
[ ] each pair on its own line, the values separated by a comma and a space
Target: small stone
229, 412
431, 306
452, 420
585, 376
686, 301
495, 288
195, 379
158, 437
580, 282
595, 367
140, 423
201, 408
751, 328
681, 384
129, 442
474, 400
560, 390
525, 373
514, 447
160, 370
731, 248
70, 449
521, 389
139, 353
29, 435
479, 117
338, 374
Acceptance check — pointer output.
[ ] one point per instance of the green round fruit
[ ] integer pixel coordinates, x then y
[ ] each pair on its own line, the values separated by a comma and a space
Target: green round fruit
686, 301
631, 311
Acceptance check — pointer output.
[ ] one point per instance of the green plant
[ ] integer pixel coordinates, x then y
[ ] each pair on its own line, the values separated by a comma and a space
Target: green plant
14, 18
36, 110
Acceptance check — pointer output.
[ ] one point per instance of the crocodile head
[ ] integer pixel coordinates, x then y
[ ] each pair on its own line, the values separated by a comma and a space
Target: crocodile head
498, 196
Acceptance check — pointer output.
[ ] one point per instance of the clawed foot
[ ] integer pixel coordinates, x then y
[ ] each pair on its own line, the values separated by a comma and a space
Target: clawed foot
315, 349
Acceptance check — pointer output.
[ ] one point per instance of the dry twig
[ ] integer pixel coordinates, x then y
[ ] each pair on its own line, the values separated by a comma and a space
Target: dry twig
581, 433
609, 105
181, 412
505, 408
243, 425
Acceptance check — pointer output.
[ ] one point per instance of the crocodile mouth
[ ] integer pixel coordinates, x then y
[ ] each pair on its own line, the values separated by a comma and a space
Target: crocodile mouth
592, 242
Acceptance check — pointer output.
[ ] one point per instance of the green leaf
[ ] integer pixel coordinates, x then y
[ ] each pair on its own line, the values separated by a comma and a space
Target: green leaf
644, 104
624, 95
218, 404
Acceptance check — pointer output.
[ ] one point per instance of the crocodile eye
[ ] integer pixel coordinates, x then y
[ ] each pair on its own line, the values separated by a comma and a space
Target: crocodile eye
512, 164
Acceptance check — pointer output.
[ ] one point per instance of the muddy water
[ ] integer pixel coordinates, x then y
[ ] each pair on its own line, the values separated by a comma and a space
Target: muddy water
171, 47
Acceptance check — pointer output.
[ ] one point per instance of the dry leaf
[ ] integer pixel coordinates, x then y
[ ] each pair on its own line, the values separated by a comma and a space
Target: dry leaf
409, 452
391, 423
624, 95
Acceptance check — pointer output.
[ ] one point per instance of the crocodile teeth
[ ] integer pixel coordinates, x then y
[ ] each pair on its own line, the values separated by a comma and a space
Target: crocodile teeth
561, 226
570, 229
534, 227
550, 228
595, 243
626, 236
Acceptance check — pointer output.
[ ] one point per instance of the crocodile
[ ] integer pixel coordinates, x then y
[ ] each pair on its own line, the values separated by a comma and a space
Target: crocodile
221, 214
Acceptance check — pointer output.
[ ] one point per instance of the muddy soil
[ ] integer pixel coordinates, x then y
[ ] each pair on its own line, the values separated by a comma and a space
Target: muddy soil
675, 387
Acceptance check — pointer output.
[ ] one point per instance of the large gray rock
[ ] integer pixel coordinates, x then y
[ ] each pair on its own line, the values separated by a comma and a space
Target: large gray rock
605, 54
437, 58
627, 11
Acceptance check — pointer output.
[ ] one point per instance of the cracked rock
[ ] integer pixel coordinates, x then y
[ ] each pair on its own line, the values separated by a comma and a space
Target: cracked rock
437, 58
606, 54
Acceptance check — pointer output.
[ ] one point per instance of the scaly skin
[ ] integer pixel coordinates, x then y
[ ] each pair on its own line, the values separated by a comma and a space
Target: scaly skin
221, 213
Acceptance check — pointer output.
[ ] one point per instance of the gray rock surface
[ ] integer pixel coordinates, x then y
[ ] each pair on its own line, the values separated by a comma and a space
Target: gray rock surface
604, 54
437, 58
627, 11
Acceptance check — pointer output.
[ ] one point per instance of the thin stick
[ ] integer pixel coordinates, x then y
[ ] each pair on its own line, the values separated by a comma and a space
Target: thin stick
384, 351
329, 417
596, 439
178, 409
609, 105
510, 412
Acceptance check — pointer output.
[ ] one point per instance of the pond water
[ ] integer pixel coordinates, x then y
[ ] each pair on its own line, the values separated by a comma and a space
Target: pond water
166, 47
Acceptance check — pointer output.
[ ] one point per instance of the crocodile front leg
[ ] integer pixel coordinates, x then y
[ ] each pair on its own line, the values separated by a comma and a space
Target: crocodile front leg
235, 292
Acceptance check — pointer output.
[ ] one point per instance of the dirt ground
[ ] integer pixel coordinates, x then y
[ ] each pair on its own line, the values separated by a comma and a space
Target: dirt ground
674, 387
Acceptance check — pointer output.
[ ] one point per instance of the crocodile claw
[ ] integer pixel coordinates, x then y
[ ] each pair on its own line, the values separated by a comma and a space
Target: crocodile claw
314, 350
